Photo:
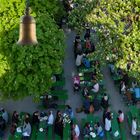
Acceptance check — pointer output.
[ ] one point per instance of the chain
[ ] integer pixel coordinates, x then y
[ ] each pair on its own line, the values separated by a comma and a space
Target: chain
27, 7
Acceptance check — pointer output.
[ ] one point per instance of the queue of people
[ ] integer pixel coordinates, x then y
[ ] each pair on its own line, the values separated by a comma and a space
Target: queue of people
23, 123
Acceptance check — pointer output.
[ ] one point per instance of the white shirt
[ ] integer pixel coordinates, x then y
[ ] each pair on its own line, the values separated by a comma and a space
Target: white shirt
76, 81
134, 127
77, 130
79, 60
51, 119
134, 84
121, 117
26, 129
106, 98
96, 87
123, 87
5, 116
107, 124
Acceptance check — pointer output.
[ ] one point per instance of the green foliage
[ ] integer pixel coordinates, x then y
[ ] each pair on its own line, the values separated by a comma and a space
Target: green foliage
54, 8
77, 17
27, 70
117, 23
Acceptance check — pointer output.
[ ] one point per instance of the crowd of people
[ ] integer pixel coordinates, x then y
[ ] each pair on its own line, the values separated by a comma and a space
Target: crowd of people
128, 86
24, 122
82, 50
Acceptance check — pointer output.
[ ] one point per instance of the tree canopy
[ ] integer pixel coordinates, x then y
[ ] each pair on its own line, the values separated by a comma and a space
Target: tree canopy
27, 70
77, 17
117, 23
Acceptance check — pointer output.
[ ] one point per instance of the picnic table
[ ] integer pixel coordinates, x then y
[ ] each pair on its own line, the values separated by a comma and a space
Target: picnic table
92, 120
41, 134
61, 94
134, 111
115, 127
49, 132
87, 76
122, 131
67, 131
83, 69
55, 92
86, 83
59, 83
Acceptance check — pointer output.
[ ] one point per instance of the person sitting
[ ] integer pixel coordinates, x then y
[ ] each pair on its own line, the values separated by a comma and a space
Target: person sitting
108, 123
93, 77
136, 94
112, 68
50, 118
2, 126
120, 116
69, 112
122, 87
77, 40
96, 104
86, 62
13, 128
75, 132
134, 127
15, 117
87, 34
35, 118
99, 130
134, 84
86, 131
58, 124
91, 109
76, 81
26, 132
129, 96
86, 105
95, 87
4, 115
27, 116
106, 113
119, 72
88, 44
78, 48
125, 78
104, 101
79, 58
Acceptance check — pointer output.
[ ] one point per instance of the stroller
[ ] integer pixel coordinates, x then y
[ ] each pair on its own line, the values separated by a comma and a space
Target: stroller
76, 83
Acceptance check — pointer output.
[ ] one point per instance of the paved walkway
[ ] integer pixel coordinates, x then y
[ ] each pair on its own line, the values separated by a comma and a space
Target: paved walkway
25, 105
69, 70
74, 99
115, 98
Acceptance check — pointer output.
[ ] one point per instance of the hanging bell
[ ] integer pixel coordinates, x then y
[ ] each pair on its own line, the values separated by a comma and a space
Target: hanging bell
27, 34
